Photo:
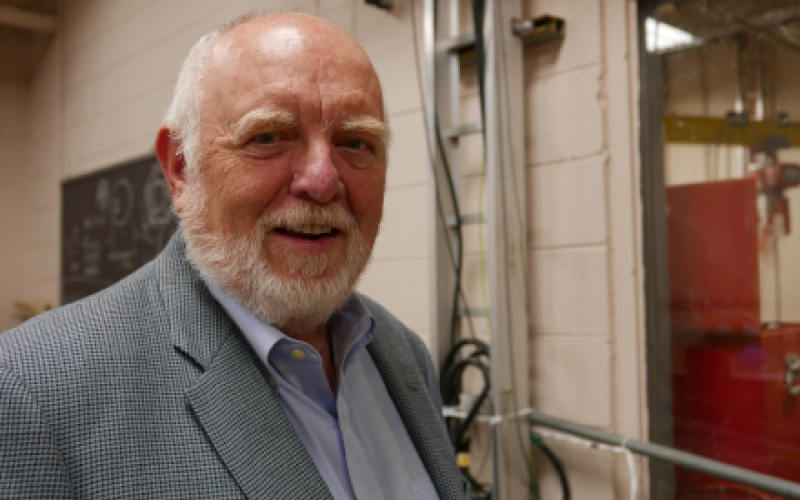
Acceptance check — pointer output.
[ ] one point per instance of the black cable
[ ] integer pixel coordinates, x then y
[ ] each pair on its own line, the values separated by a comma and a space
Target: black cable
459, 256
482, 349
562, 475
451, 375
455, 375
459, 261
440, 210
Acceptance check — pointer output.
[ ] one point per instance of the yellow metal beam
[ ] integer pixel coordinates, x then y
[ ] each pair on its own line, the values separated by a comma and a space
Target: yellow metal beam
701, 130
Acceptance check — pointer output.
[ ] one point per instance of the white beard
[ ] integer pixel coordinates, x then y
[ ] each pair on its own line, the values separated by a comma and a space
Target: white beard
238, 264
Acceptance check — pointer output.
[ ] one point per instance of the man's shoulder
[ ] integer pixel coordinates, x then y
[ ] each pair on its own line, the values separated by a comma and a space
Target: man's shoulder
380, 313
386, 321
399, 335
102, 318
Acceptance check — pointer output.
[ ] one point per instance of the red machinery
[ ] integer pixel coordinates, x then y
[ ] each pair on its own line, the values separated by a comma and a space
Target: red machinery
733, 378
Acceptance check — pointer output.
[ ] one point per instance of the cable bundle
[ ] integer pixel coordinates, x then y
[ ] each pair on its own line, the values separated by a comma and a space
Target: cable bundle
452, 373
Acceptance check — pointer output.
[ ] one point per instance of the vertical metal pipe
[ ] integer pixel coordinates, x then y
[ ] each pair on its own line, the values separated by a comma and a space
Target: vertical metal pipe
495, 244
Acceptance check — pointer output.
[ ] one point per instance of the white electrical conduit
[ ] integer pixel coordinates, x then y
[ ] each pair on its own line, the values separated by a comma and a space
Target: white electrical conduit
597, 446
667, 454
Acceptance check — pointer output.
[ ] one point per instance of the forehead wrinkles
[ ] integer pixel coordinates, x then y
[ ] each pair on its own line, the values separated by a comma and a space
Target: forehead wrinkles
302, 66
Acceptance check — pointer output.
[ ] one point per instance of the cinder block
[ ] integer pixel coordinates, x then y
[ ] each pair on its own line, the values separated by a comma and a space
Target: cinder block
41, 226
472, 196
468, 83
401, 287
116, 127
547, 134
571, 378
42, 290
397, 68
583, 44
567, 203
110, 157
144, 71
408, 155
44, 81
108, 49
42, 121
475, 285
41, 191
41, 262
470, 155
589, 471
42, 155
142, 28
86, 20
405, 227
379, 30
569, 291
470, 150
586, 112
340, 14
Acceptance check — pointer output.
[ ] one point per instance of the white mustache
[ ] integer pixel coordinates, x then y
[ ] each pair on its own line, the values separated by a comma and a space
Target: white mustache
307, 214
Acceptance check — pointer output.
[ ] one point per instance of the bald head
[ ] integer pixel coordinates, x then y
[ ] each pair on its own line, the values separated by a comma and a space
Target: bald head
253, 47
275, 151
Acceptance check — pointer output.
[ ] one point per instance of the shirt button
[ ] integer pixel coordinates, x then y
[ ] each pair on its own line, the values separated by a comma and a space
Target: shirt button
298, 354
272, 382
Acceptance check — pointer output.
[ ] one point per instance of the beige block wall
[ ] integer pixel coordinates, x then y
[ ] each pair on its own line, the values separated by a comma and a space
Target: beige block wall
13, 103
586, 334
101, 92
582, 206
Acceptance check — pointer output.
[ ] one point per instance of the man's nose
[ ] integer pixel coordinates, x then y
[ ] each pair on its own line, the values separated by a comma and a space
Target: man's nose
317, 176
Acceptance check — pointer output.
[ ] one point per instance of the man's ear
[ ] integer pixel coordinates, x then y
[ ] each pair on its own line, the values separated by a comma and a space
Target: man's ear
172, 163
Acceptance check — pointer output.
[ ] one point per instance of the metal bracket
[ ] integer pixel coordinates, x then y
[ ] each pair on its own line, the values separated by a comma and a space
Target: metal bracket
475, 312
466, 219
792, 373
538, 30
382, 4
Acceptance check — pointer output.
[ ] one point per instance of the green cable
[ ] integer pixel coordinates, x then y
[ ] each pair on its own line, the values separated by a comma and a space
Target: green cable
562, 474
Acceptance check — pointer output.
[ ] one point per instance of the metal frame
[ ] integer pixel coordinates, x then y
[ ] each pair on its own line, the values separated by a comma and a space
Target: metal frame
670, 455
656, 260
503, 126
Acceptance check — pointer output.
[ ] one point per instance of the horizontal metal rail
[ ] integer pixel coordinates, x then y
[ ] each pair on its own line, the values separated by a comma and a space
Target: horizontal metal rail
697, 463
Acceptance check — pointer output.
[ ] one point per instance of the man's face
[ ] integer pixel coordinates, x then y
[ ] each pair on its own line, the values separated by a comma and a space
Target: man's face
292, 158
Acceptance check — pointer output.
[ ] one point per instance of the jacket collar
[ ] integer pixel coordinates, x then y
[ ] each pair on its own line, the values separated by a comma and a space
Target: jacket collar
236, 408
231, 400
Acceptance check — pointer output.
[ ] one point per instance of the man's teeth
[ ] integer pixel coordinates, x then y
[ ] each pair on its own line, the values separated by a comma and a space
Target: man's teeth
309, 229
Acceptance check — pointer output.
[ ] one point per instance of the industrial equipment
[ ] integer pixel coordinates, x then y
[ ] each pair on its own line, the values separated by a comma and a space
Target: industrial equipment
734, 377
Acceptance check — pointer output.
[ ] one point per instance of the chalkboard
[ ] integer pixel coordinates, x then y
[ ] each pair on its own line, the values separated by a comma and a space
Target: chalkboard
112, 222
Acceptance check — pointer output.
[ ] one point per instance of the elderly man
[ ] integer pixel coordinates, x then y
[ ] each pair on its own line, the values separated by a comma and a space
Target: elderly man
239, 363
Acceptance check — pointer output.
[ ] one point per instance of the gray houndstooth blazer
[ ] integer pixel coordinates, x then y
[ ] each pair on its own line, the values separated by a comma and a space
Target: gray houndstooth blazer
148, 390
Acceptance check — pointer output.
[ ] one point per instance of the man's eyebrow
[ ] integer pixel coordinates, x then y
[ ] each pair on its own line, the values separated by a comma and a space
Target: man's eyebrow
369, 125
260, 118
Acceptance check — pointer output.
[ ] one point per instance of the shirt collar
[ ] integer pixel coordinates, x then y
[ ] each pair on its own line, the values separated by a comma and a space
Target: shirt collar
351, 328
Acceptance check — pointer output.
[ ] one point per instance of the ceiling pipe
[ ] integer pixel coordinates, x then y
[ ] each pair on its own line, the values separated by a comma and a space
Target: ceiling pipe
28, 20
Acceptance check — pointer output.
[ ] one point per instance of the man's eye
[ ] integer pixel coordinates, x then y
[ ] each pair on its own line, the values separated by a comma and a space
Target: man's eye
356, 144
266, 138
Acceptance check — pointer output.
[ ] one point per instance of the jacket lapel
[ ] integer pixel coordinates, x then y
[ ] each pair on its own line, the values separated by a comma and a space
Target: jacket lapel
231, 400
249, 429
404, 382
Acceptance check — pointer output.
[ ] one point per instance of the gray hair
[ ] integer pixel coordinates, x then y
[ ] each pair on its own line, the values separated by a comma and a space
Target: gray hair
183, 114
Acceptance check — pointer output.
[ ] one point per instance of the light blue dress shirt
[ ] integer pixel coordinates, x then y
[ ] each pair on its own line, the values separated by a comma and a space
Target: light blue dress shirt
356, 438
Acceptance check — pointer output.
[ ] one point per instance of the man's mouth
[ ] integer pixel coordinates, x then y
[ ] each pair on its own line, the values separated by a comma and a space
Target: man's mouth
307, 231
